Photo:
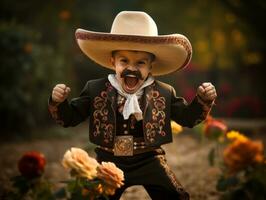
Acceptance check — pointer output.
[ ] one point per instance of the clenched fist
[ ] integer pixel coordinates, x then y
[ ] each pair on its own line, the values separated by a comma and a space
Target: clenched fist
60, 93
207, 92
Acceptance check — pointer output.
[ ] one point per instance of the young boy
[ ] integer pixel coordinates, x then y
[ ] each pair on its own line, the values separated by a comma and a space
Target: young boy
129, 111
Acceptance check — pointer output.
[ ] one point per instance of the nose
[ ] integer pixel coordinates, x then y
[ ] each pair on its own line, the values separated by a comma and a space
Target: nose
132, 67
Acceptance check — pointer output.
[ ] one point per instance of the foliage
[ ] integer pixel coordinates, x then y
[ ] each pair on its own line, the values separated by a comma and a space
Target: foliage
242, 163
90, 180
39, 50
30, 184
28, 69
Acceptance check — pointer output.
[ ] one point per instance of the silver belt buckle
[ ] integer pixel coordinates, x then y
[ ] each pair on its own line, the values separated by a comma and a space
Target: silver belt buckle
123, 145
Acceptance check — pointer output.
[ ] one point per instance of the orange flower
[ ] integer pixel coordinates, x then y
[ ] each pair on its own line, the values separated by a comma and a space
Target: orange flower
80, 162
92, 193
64, 15
99, 189
28, 48
111, 175
32, 164
243, 153
214, 128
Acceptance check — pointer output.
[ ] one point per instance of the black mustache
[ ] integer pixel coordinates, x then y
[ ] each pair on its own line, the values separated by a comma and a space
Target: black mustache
126, 72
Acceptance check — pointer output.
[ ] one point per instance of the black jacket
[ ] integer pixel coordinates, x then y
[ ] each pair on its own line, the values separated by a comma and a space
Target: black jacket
98, 102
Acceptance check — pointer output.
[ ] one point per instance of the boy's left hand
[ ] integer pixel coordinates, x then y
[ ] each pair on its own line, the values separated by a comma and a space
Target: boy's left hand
207, 92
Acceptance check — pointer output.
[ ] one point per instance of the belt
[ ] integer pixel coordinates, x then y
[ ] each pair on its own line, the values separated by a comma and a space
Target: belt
128, 146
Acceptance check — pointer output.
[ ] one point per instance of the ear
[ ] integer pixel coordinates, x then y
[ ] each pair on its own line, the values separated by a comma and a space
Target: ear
151, 64
112, 60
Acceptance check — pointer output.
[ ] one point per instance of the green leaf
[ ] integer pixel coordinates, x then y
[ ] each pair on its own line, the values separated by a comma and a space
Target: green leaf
60, 193
211, 156
225, 183
21, 184
255, 189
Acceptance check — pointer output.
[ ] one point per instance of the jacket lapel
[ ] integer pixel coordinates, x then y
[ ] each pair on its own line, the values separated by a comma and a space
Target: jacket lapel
147, 97
111, 97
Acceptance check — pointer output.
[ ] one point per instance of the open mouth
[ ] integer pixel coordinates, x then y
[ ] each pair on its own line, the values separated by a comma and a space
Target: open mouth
131, 82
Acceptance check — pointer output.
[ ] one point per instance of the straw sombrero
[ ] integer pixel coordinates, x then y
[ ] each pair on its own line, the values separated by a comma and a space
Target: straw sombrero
133, 30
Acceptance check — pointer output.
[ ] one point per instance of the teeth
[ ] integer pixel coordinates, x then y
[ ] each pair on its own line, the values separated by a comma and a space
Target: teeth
131, 75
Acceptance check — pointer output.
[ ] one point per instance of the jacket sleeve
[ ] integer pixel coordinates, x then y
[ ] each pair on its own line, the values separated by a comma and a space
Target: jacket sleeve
188, 115
71, 113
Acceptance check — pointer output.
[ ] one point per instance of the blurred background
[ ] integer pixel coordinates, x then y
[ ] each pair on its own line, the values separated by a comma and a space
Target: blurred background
38, 50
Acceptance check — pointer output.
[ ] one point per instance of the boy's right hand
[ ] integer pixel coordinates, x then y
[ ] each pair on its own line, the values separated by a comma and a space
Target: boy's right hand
60, 93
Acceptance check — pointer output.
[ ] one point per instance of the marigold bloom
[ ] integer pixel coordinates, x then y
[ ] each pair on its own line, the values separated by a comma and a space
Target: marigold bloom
235, 135
31, 164
176, 128
111, 175
242, 153
80, 162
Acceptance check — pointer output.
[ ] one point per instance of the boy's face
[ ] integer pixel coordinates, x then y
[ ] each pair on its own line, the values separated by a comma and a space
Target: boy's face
132, 68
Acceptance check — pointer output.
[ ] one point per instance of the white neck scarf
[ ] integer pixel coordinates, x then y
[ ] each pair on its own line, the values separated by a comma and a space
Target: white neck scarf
131, 105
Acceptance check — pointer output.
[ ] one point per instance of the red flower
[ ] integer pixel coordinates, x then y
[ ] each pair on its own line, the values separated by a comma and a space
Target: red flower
214, 128
31, 165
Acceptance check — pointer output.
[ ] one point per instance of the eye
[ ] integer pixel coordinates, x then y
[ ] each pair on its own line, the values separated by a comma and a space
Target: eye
141, 62
123, 60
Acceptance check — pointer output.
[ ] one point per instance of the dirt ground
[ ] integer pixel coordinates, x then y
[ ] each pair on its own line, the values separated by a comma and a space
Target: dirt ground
187, 157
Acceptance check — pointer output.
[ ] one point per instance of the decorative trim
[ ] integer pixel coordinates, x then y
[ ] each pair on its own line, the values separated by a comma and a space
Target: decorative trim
155, 126
100, 117
166, 39
179, 188
206, 108
53, 109
169, 39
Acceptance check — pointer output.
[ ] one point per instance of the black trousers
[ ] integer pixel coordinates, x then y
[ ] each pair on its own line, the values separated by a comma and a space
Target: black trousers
149, 170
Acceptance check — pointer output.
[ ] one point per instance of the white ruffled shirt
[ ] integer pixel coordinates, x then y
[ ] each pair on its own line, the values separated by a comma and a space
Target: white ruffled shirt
131, 105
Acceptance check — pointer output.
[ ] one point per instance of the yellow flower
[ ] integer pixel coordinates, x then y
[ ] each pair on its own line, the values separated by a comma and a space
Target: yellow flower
80, 162
111, 175
242, 153
235, 135
176, 128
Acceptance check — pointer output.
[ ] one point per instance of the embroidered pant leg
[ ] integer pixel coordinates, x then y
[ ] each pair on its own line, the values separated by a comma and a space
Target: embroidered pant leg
149, 170
162, 182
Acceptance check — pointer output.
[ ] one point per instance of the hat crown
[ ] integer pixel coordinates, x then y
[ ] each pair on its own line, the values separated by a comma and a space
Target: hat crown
134, 23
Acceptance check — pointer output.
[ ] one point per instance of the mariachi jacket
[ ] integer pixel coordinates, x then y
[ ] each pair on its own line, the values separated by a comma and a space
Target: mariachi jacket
98, 101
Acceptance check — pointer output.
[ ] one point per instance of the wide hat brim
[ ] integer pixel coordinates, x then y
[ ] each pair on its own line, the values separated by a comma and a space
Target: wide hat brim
173, 52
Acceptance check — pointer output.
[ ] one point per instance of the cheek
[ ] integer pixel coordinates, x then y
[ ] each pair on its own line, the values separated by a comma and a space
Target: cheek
118, 70
145, 73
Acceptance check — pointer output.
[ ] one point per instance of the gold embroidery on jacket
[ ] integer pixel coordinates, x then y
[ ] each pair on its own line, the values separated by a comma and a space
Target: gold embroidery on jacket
157, 122
205, 111
54, 113
100, 117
